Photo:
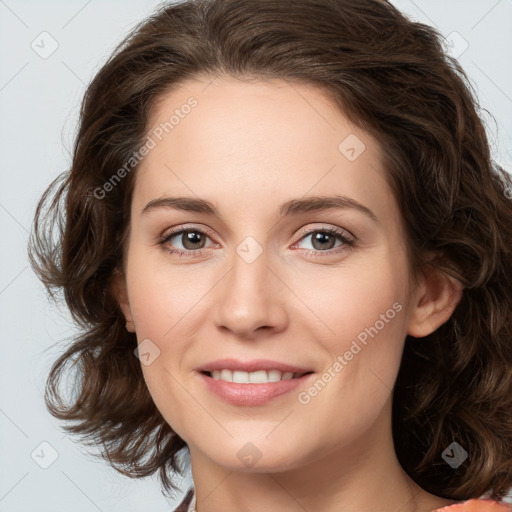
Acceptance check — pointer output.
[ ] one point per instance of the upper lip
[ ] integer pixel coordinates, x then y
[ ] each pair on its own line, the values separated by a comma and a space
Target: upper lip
251, 366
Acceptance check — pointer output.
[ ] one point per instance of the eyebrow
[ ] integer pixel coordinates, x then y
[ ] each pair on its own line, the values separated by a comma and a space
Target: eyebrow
292, 207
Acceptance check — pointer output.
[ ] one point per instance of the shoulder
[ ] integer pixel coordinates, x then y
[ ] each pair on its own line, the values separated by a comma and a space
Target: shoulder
477, 505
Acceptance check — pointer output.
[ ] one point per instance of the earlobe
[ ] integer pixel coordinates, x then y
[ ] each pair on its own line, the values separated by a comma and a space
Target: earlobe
435, 300
120, 292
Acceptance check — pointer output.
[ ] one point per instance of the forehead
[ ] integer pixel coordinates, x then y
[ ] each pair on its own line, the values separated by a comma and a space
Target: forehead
239, 139
249, 119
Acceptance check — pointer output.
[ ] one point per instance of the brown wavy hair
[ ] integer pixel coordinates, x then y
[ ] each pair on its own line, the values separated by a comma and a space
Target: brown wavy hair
389, 76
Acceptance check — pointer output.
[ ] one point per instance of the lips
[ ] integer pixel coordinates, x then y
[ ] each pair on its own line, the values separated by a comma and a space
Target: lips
250, 393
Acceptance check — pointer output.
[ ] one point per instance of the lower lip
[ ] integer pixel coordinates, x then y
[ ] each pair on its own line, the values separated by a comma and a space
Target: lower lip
251, 394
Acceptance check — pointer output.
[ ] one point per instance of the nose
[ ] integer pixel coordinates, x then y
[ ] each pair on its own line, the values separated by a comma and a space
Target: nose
250, 299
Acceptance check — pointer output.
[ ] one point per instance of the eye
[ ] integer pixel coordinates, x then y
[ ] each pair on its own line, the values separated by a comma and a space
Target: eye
324, 240
192, 241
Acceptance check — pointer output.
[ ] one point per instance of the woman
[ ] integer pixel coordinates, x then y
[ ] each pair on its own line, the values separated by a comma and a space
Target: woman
222, 144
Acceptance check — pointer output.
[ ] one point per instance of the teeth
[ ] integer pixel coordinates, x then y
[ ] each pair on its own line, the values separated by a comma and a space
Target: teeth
259, 377
226, 375
240, 377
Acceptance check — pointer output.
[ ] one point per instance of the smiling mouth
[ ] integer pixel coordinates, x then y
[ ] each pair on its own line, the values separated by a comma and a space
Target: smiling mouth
257, 377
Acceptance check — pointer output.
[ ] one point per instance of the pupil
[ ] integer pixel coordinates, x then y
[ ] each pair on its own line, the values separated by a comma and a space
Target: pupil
191, 237
323, 237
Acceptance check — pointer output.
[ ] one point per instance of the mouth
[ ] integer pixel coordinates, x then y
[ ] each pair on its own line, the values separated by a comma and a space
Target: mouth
256, 377
255, 388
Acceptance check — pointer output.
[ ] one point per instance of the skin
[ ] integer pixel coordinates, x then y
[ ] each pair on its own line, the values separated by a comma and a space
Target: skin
248, 147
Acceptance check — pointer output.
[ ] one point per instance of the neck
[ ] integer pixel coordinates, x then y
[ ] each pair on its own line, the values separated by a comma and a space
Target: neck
360, 477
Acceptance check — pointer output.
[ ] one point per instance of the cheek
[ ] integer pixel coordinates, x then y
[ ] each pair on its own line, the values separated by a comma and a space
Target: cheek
165, 303
366, 319
159, 302
162, 298
365, 296
366, 311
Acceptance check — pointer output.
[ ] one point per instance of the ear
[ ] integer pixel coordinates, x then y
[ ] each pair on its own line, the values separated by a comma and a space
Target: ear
433, 302
120, 292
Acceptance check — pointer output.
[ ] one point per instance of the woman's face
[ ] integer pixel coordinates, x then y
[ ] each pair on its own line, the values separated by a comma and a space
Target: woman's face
298, 258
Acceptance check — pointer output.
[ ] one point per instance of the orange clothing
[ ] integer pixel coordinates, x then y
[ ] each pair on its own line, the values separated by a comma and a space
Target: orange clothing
477, 505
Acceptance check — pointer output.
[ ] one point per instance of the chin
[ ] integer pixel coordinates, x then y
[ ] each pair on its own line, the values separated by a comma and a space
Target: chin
255, 457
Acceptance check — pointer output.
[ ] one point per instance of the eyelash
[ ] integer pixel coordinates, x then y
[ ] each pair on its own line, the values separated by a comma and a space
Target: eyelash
348, 243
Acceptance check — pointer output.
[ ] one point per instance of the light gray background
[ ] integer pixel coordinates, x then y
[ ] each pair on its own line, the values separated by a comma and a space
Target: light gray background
39, 100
